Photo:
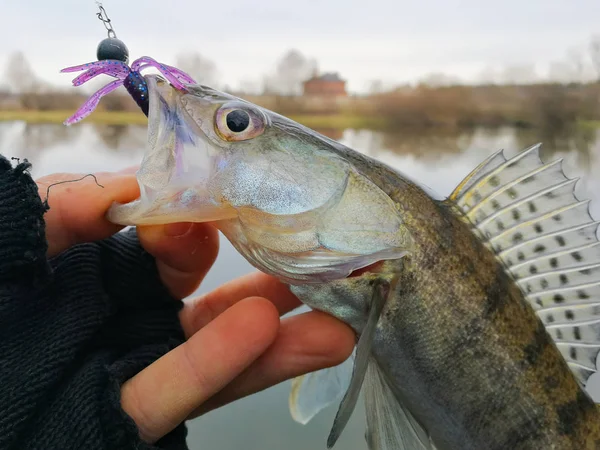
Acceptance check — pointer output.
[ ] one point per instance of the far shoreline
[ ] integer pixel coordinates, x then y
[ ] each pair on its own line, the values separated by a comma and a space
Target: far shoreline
316, 121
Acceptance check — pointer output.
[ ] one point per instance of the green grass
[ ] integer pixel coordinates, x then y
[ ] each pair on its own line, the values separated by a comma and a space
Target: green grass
58, 117
315, 121
590, 124
337, 121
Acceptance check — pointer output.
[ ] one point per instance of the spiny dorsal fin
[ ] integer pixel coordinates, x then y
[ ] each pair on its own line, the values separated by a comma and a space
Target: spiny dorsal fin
527, 213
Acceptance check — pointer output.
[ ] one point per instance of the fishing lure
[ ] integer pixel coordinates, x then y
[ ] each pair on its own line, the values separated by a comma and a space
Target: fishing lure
113, 58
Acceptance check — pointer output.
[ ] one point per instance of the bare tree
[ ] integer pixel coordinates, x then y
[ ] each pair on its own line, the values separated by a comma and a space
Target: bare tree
267, 85
595, 54
292, 69
560, 72
376, 87
250, 86
438, 79
520, 74
202, 69
19, 74
576, 60
488, 75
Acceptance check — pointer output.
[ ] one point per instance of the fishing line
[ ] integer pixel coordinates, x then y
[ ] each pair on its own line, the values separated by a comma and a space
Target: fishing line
46, 204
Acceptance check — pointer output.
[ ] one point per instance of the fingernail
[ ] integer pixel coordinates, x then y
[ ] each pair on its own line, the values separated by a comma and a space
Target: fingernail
177, 229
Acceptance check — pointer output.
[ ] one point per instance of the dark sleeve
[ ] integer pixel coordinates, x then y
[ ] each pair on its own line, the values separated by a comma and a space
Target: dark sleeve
73, 330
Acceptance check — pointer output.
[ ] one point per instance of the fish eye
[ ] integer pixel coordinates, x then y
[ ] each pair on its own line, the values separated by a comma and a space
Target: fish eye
237, 121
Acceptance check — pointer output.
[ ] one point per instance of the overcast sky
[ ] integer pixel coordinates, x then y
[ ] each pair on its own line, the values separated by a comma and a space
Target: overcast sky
392, 40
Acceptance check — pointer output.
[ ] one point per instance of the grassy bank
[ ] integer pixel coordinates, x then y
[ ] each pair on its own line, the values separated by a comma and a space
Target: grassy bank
315, 121
332, 121
590, 124
547, 106
58, 117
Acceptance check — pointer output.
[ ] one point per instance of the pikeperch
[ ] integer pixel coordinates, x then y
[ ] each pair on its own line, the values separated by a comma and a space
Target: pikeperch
477, 316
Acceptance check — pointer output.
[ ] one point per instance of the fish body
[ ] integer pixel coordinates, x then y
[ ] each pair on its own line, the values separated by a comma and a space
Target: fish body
460, 345
476, 316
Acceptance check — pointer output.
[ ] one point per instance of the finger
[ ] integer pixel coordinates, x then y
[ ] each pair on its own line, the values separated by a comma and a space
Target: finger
165, 393
184, 253
206, 308
77, 210
305, 343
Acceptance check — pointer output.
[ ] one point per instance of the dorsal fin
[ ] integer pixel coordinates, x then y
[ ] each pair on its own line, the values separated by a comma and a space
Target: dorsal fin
527, 213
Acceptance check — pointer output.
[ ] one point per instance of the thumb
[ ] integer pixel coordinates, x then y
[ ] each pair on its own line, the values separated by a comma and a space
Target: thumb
78, 208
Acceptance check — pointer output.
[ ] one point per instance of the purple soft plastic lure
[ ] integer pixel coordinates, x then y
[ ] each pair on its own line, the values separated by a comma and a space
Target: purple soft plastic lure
130, 77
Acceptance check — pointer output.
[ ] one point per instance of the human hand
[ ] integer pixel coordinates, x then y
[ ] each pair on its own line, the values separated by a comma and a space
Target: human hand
236, 343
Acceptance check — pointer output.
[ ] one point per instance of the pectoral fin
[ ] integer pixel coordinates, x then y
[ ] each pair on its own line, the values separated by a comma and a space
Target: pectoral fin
313, 392
390, 425
361, 362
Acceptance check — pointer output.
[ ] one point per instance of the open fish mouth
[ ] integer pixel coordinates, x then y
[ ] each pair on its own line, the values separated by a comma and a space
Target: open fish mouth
175, 173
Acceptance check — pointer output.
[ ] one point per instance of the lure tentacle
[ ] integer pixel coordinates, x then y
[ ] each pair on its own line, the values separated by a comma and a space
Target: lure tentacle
129, 77
120, 73
88, 107
144, 60
95, 64
173, 76
181, 75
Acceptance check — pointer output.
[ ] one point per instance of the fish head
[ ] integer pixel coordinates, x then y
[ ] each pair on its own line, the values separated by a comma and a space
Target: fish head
286, 197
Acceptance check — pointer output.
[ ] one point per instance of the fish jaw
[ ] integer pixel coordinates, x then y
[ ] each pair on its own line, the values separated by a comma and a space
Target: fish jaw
176, 169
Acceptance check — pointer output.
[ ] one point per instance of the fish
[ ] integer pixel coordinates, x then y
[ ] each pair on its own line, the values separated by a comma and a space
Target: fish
477, 315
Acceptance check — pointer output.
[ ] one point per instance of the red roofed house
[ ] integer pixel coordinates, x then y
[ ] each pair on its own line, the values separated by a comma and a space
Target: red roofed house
326, 85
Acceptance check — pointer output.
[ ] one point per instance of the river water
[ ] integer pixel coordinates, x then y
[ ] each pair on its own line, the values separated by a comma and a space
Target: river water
437, 159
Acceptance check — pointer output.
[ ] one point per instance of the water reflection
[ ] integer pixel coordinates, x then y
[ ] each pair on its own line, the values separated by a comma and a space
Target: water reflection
428, 146
436, 158
82, 148
120, 137
29, 139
